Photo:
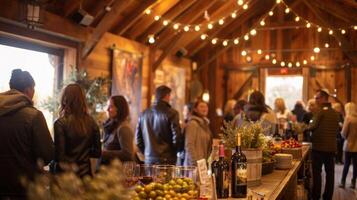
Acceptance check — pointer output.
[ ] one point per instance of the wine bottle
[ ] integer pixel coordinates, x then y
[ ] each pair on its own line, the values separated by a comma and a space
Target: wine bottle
239, 172
221, 171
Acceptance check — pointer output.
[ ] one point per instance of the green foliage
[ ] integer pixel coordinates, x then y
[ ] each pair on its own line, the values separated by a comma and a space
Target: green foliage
94, 88
106, 185
251, 134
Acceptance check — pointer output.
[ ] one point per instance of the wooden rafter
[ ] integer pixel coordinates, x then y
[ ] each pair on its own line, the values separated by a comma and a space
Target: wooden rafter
134, 16
218, 52
247, 82
146, 21
339, 37
70, 6
220, 12
104, 25
187, 17
171, 14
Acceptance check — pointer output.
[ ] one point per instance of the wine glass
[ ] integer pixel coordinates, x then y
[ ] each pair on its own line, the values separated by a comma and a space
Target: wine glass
145, 173
186, 172
129, 169
164, 173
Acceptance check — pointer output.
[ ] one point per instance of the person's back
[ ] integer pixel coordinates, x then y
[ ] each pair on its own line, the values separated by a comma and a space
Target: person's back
158, 134
324, 128
24, 142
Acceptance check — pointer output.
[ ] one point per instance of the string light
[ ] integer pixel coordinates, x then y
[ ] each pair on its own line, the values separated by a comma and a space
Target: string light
297, 64
267, 57
278, 1
151, 39
271, 13
297, 18
240, 2
236, 41
290, 65
316, 50
327, 45
234, 15
308, 25
246, 37
343, 31
282, 63
176, 26
259, 51
197, 28
214, 41
249, 59
221, 22
203, 36
186, 28
319, 29
165, 22
312, 58
287, 10
274, 61
243, 53
253, 32
245, 7
304, 62
148, 11
225, 43
210, 26
262, 23
355, 27
330, 32
157, 18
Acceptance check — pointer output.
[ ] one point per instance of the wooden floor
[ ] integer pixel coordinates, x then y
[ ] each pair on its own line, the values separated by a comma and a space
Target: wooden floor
339, 193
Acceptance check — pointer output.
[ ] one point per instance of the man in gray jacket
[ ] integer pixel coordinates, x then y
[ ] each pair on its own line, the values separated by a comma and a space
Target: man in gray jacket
24, 137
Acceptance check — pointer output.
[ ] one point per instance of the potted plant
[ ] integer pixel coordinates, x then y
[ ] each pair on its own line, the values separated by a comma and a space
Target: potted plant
253, 142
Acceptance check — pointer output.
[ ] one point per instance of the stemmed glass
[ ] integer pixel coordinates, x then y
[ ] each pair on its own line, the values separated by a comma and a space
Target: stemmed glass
164, 173
129, 169
145, 173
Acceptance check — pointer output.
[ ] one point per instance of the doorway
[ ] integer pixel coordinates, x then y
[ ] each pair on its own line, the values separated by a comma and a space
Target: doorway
288, 87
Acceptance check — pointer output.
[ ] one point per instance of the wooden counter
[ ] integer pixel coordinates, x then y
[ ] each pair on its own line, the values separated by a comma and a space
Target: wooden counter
281, 184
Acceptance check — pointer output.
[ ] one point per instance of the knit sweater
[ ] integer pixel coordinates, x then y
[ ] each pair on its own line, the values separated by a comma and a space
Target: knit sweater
349, 132
324, 127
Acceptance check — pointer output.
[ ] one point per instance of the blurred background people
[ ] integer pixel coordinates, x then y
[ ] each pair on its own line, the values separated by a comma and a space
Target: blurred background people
77, 136
349, 132
311, 109
198, 136
24, 137
299, 111
239, 111
228, 113
283, 114
118, 140
339, 139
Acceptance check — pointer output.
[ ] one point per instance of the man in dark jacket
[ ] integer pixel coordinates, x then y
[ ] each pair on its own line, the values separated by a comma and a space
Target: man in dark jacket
324, 126
24, 137
158, 133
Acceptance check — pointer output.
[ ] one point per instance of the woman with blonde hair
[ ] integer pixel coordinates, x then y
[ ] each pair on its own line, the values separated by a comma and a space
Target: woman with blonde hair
77, 136
349, 132
282, 113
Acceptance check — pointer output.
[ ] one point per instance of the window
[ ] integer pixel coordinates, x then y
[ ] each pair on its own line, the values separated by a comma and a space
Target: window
42, 67
290, 88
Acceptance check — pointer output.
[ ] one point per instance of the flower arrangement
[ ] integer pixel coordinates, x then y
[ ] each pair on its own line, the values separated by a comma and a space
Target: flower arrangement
251, 135
107, 184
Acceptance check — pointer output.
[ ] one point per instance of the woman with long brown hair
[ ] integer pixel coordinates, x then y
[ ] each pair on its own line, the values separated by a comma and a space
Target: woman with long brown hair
118, 136
77, 136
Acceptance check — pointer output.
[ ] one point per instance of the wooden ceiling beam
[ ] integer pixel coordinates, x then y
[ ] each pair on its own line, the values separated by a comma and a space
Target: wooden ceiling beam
171, 15
146, 21
337, 10
220, 12
339, 37
133, 17
54, 24
232, 27
187, 17
104, 25
260, 8
70, 6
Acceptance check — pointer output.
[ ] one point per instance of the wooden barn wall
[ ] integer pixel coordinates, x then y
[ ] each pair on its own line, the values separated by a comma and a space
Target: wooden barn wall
98, 63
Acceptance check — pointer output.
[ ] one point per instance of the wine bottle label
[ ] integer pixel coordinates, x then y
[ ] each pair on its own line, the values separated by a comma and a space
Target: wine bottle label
225, 180
241, 174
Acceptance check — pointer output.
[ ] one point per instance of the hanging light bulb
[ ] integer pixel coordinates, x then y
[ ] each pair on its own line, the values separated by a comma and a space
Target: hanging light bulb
151, 39
319, 29
165, 22
327, 45
214, 41
271, 13
234, 15
240, 2
343, 31
297, 64
197, 28
253, 32
355, 27
246, 37
225, 43
282, 63
221, 22
186, 28
267, 57
330, 32
316, 50
236, 41
287, 10
176, 26
278, 1
249, 59
262, 23
157, 18
290, 65
304, 62
297, 18
308, 25
205, 96
243, 53
259, 51
210, 26
245, 6
274, 61
312, 58
203, 36
148, 11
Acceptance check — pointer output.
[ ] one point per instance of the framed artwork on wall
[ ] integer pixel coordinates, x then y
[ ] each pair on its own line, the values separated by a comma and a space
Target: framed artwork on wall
126, 80
175, 78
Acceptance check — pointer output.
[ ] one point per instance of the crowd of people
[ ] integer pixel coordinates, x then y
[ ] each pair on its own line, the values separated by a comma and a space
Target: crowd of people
26, 144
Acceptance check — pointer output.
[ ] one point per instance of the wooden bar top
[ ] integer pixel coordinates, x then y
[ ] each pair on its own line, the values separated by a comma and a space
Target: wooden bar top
273, 185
